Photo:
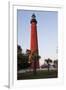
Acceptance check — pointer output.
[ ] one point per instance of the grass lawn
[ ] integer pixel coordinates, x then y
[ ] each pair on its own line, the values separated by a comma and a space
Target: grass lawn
39, 75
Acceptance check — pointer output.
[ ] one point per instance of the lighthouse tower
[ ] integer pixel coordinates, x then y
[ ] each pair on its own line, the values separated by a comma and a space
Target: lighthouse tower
34, 40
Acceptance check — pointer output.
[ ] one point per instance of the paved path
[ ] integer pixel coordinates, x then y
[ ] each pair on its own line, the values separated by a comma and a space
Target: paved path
29, 70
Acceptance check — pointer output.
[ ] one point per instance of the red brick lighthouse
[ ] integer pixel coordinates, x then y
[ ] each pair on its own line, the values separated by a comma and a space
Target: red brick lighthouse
34, 40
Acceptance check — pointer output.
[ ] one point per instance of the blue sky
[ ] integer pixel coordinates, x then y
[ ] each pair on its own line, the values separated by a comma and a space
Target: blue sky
47, 29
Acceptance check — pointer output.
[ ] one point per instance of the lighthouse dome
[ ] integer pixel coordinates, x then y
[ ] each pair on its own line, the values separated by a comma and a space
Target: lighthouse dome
33, 19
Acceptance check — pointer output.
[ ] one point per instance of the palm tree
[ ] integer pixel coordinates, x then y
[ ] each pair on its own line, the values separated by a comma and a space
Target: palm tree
48, 61
56, 64
34, 57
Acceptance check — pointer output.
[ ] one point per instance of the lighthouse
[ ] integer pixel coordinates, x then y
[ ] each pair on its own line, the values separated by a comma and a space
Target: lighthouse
34, 41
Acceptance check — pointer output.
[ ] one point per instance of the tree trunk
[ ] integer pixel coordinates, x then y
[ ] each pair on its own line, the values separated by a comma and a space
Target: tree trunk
34, 70
48, 67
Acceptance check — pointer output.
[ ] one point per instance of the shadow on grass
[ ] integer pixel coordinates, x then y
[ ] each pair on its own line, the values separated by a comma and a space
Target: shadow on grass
38, 75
